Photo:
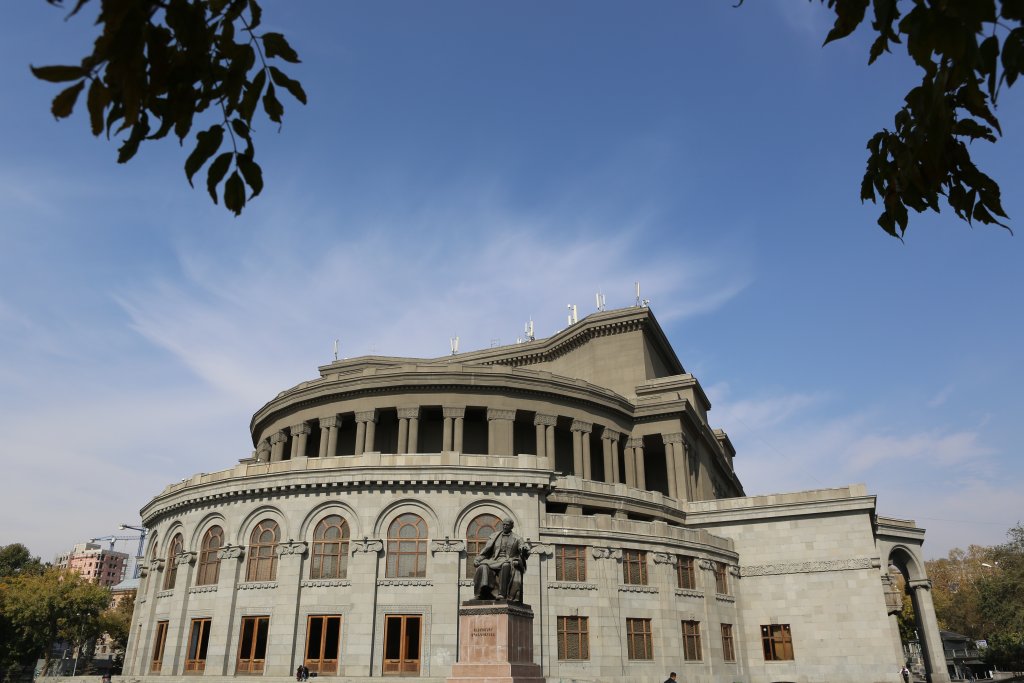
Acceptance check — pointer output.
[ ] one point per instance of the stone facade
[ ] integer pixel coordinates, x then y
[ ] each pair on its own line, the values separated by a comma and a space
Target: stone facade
346, 540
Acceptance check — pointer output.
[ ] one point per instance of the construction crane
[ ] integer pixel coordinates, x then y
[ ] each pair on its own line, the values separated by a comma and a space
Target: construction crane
141, 538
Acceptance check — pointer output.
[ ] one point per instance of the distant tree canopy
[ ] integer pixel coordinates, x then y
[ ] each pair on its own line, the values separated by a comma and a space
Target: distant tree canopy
158, 65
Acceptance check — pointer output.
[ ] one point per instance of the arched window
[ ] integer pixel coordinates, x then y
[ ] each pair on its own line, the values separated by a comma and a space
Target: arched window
330, 549
171, 571
262, 545
148, 567
209, 563
477, 535
407, 547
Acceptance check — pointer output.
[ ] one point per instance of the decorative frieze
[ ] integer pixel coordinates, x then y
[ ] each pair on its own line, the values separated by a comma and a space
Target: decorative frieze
546, 549
664, 558
545, 420
453, 411
499, 414
447, 545
707, 565
806, 567
256, 585
408, 413
581, 426
164, 594
573, 586
325, 583
404, 582
689, 593
722, 597
210, 588
637, 588
606, 553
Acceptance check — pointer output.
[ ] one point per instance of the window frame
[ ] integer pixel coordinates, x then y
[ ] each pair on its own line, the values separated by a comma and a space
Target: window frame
686, 572
261, 564
252, 665
156, 661
577, 553
728, 643
198, 645
323, 665
576, 628
777, 643
692, 646
174, 548
644, 634
208, 571
397, 547
634, 561
339, 555
721, 572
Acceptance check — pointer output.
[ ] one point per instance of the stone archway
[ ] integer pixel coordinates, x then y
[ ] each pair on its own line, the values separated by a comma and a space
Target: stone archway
899, 544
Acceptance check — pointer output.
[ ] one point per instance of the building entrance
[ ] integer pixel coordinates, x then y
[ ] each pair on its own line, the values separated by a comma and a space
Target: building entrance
402, 644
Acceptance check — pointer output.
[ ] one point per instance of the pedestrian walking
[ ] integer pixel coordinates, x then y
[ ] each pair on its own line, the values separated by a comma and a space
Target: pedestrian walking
671, 678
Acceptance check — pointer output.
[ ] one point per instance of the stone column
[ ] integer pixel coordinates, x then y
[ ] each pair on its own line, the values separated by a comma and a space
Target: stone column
364, 568
329, 436
452, 428
639, 478
408, 429
928, 631
366, 429
500, 431
300, 434
229, 574
693, 470
545, 424
277, 441
675, 458
263, 451
610, 446
581, 448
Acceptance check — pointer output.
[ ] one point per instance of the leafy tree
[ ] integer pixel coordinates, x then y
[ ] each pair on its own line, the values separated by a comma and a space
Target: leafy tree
956, 585
116, 622
16, 559
1006, 651
158, 64
41, 609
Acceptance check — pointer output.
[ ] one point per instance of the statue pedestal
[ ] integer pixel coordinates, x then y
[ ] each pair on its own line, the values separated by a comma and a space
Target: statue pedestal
495, 644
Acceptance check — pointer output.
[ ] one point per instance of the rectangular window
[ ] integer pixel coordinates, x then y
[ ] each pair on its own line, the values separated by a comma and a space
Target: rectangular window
721, 578
158, 647
198, 643
573, 638
634, 567
691, 641
639, 643
570, 563
252, 645
728, 646
685, 575
323, 643
777, 642
402, 645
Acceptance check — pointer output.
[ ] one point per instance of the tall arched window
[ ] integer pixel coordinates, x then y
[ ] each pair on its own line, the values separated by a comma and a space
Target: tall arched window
171, 571
407, 547
330, 549
148, 566
209, 563
477, 535
262, 545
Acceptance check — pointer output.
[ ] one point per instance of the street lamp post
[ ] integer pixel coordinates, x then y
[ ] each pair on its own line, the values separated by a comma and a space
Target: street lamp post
142, 540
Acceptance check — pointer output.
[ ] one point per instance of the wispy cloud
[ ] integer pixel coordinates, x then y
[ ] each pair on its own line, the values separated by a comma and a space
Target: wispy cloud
942, 396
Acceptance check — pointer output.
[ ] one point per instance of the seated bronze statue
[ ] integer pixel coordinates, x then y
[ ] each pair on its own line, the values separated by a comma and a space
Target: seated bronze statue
500, 566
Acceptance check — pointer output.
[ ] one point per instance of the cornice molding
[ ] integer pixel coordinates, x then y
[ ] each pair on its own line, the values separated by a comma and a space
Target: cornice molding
808, 567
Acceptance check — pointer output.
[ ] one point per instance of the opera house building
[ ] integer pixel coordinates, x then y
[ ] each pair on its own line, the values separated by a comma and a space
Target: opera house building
345, 542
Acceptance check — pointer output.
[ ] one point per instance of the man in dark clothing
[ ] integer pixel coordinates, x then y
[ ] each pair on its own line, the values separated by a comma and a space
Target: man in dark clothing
671, 678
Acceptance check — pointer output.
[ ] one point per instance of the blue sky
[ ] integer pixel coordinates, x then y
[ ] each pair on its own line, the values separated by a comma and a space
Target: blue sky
464, 166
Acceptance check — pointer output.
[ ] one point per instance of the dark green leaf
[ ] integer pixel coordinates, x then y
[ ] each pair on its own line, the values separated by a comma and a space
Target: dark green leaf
251, 97
64, 102
207, 143
234, 193
292, 86
96, 101
131, 145
241, 130
252, 172
216, 172
271, 105
58, 74
849, 15
275, 45
257, 14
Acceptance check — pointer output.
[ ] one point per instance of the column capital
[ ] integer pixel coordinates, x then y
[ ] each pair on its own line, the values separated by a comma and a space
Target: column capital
291, 547
447, 545
635, 442
231, 552
279, 437
367, 545
408, 413
920, 583
664, 558
328, 422
610, 434
302, 428
606, 553
545, 420
500, 414
367, 416
186, 557
581, 426
676, 437
453, 411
